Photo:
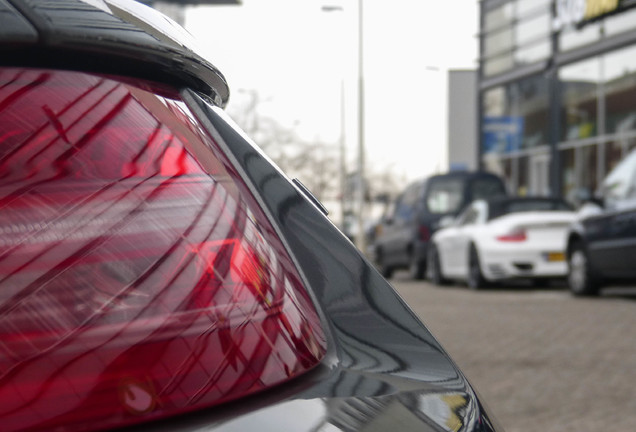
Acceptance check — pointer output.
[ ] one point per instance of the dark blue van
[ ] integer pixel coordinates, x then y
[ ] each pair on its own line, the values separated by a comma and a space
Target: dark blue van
401, 238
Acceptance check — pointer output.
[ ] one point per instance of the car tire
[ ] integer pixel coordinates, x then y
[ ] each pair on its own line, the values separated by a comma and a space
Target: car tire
540, 283
581, 281
435, 267
417, 267
475, 279
385, 270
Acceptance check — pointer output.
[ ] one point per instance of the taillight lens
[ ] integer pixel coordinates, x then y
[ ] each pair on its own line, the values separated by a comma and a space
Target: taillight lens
138, 276
516, 235
424, 233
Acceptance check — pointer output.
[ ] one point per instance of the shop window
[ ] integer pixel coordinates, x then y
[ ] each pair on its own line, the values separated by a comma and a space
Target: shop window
495, 102
516, 34
532, 53
525, 7
533, 107
499, 17
568, 175
532, 29
498, 42
516, 116
494, 164
588, 168
498, 64
497, 135
624, 21
522, 181
579, 171
580, 87
571, 38
619, 70
509, 171
538, 171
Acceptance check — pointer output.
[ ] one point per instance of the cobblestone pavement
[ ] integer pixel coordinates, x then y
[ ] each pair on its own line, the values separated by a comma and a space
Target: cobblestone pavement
542, 360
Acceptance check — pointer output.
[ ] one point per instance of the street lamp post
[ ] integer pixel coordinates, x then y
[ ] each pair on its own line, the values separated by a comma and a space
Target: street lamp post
341, 138
360, 183
360, 239
343, 155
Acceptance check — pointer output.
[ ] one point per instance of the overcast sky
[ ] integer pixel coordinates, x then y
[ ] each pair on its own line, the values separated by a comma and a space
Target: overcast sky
295, 56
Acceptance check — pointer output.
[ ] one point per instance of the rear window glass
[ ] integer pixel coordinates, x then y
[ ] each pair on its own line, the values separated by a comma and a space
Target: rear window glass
445, 195
484, 188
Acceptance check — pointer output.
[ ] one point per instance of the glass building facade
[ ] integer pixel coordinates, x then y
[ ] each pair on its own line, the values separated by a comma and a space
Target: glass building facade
557, 92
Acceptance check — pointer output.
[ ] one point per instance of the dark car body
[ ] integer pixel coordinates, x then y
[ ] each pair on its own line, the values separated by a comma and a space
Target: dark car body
83, 192
403, 236
602, 242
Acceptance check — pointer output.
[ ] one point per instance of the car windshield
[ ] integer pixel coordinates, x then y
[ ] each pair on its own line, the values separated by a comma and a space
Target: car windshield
501, 208
446, 195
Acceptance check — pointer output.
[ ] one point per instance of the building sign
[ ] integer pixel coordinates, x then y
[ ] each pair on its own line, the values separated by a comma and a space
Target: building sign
579, 12
502, 135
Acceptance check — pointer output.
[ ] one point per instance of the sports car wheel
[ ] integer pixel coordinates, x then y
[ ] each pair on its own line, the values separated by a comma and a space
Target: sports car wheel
417, 267
435, 268
385, 270
580, 279
476, 278
540, 283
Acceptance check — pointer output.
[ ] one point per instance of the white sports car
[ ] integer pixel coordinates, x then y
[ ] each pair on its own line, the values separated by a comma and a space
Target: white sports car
502, 238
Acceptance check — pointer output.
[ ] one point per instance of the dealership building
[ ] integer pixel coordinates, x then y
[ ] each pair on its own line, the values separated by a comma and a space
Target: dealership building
556, 92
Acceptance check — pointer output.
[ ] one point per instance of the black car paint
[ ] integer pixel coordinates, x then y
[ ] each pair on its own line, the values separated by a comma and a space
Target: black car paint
74, 35
381, 356
383, 366
609, 239
606, 235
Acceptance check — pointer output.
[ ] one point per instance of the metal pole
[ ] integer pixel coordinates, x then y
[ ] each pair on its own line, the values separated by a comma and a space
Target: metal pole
360, 239
480, 94
341, 139
554, 128
343, 155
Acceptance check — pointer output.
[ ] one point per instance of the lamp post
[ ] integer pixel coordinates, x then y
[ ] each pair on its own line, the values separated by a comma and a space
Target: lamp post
360, 183
360, 239
341, 138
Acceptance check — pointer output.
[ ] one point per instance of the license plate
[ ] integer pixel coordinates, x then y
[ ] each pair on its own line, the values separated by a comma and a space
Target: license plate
555, 256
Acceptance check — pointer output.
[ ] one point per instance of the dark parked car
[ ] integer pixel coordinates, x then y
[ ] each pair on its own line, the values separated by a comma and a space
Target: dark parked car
602, 244
158, 273
403, 237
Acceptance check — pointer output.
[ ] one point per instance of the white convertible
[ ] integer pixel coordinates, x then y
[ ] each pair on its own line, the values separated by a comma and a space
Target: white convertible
502, 238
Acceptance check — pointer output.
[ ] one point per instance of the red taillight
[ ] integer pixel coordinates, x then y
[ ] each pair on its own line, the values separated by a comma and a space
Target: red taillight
138, 276
424, 233
517, 235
